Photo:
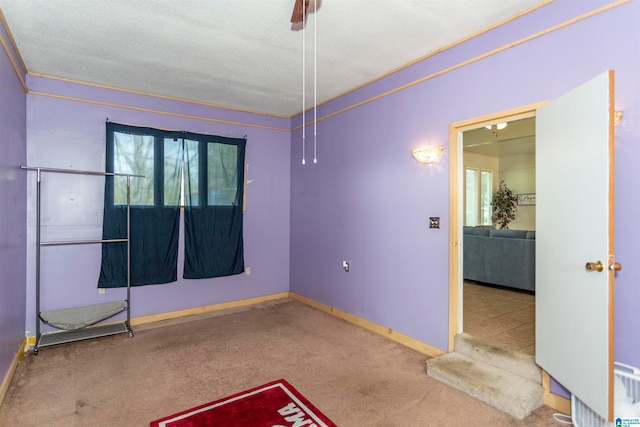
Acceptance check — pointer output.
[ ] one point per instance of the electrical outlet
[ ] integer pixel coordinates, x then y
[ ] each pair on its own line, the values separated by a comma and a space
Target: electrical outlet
101, 290
247, 271
434, 222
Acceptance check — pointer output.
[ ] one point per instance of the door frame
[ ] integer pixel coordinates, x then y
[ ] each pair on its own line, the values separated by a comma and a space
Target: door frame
456, 193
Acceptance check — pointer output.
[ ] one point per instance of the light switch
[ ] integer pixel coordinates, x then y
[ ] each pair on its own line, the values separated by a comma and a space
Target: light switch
345, 266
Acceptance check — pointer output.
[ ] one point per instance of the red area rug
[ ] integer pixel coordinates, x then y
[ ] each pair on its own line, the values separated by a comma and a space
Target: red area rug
276, 404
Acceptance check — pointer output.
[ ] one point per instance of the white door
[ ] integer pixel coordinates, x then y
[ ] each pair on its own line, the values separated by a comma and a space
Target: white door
574, 225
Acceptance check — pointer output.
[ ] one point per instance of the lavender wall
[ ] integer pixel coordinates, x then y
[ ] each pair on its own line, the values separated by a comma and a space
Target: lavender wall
12, 210
64, 133
367, 201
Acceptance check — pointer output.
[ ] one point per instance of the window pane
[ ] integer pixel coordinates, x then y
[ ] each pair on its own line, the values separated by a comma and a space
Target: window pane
486, 192
172, 171
471, 197
190, 174
222, 174
133, 154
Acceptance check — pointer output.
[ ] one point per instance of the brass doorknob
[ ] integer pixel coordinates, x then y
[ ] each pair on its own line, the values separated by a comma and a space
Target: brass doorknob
595, 266
616, 266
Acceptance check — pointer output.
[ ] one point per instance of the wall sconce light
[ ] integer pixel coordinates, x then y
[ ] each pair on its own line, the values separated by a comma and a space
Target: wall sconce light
617, 118
428, 153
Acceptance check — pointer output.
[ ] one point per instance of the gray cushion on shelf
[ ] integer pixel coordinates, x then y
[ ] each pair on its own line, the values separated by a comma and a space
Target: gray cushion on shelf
80, 317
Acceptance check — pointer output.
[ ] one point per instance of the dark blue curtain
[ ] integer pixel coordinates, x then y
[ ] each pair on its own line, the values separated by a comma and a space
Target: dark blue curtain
155, 207
214, 189
213, 214
154, 247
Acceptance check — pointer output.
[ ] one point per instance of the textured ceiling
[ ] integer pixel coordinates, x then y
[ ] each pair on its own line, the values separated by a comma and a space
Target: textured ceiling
238, 53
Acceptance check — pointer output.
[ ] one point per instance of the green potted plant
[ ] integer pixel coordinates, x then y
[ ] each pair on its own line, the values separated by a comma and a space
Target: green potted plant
504, 206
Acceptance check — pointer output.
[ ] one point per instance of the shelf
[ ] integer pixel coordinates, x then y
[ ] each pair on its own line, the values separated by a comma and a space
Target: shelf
82, 242
54, 338
76, 321
82, 317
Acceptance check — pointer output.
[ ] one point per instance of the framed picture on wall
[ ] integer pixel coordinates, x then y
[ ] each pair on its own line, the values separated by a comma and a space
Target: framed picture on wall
528, 199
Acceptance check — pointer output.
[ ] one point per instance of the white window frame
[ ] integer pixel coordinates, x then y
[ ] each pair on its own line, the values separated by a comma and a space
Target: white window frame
475, 203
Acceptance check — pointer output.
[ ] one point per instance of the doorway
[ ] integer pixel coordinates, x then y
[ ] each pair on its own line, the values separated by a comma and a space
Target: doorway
578, 292
498, 291
457, 204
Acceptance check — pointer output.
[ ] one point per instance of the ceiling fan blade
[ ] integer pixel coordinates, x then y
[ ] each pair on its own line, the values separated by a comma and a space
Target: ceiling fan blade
299, 11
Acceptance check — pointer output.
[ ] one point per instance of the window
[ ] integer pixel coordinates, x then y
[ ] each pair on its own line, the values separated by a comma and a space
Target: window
139, 154
471, 197
134, 154
204, 173
222, 183
172, 172
192, 161
486, 194
478, 195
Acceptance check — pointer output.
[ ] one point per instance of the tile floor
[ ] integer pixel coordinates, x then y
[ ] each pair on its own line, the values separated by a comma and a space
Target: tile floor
500, 316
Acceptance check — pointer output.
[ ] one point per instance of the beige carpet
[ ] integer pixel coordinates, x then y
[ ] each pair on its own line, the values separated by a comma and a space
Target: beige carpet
355, 377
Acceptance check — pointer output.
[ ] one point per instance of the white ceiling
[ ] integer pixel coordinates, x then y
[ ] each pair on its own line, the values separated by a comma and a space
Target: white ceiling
239, 53
517, 139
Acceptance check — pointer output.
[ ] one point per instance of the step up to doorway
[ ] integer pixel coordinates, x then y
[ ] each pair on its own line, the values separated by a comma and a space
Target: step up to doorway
521, 364
515, 393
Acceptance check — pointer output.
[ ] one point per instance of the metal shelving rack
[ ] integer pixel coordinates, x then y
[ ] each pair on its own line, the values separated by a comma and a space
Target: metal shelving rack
103, 310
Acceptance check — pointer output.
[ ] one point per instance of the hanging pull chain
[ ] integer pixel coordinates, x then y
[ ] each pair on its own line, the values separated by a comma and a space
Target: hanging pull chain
315, 81
304, 69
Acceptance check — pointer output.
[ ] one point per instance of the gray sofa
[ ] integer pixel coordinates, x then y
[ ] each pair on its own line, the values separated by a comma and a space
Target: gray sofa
500, 257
